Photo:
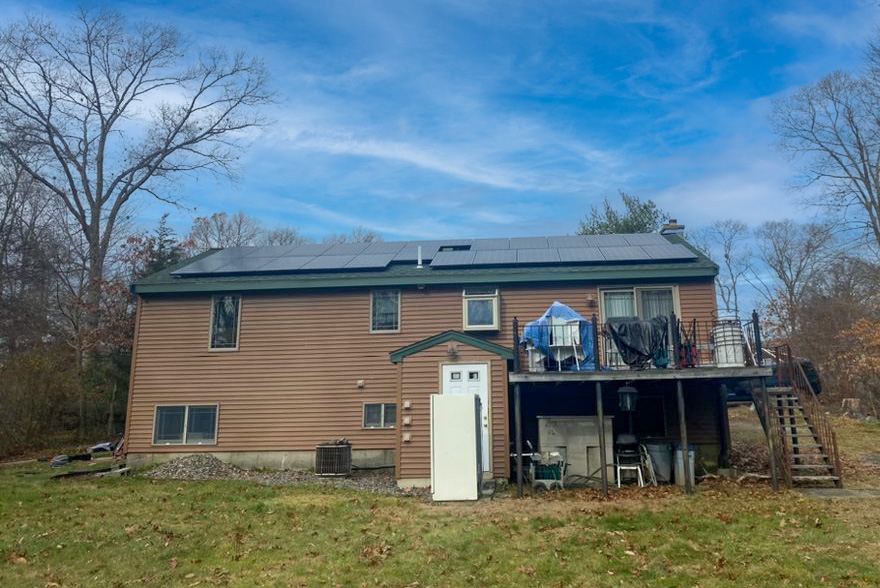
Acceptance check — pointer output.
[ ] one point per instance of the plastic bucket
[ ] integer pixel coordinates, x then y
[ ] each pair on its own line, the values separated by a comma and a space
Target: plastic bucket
679, 464
661, 455
728, 343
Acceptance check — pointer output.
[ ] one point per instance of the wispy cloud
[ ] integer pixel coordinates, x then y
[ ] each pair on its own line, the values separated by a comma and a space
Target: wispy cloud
851, 28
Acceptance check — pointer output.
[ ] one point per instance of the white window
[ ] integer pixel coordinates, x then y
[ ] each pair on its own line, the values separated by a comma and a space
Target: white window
385, 311
225, 318
185, 425
645, 302
380, 416
480, 309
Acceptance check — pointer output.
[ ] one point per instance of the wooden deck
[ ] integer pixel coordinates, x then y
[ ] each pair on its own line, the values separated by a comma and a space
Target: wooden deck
696, 373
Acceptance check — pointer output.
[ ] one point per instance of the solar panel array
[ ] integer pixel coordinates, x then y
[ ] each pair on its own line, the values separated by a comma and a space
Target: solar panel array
452, 253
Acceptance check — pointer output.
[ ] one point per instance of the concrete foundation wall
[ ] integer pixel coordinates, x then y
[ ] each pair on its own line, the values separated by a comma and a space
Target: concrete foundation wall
273, 460
407, 483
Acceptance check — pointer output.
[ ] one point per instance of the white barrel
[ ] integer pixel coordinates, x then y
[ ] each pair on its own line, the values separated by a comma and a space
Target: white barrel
728, 337
679, 464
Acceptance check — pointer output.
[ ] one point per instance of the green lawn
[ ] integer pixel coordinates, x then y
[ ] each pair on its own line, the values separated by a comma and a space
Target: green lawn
139, 532
133, 532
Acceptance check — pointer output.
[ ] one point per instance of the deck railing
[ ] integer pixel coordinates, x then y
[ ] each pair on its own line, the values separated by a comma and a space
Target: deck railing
588, 345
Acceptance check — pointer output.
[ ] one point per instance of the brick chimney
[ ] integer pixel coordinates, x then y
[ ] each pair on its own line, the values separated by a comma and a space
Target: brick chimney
671, 228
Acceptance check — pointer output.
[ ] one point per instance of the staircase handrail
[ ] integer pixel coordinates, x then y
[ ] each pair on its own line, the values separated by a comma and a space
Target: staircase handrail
813, 413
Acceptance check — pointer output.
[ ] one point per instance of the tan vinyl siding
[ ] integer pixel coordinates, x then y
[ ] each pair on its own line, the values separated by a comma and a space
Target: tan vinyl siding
421, 378
698, 301
292, 383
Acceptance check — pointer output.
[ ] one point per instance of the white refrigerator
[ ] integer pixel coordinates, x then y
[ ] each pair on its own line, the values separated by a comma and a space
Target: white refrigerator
456, 459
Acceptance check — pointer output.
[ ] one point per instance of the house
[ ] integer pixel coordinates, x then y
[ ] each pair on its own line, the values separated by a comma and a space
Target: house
258, 354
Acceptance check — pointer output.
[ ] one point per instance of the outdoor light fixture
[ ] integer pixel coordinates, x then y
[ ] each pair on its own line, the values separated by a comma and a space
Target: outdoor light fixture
452, 350
628, 396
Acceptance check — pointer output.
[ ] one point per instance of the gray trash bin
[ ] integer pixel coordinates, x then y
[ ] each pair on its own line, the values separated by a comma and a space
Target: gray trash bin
661, 455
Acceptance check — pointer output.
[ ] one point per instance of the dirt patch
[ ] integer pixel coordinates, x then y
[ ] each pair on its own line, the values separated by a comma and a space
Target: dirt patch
748, 444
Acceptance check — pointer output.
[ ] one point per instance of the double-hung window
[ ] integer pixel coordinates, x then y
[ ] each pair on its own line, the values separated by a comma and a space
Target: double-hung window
380, 416
385, 311
185, 425
225, 320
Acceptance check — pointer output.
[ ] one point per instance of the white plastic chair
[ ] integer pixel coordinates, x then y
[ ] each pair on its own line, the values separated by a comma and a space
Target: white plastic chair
565, 341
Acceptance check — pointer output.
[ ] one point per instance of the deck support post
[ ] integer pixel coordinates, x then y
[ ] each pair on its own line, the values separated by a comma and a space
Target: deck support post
517, 427
600, 413
685, 453
724, 422
770, 429
515, 345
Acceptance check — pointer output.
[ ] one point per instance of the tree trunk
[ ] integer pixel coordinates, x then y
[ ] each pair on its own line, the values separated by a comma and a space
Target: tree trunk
111, 413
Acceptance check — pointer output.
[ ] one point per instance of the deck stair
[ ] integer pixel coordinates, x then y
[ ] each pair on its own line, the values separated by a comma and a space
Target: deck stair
809, 461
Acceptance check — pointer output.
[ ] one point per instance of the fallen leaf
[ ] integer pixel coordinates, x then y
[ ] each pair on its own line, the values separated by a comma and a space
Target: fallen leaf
173, 563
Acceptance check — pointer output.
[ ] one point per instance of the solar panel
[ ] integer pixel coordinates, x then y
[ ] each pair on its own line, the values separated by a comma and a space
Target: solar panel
411, 251
606, 240
528, 243
580, 254
328, 262
496, 257
346, 249
364, 261
645, 239
242, 266
490, 244
575, 249
309, 249
627, 253
453, 258
384, 247
286, 263
202, 266
568, 241
537, 255
669, 251
268, 251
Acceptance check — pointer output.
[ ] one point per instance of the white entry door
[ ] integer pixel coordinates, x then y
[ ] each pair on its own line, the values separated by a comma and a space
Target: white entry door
472, 379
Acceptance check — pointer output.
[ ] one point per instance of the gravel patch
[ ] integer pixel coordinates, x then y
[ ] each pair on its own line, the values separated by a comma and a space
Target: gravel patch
207, 467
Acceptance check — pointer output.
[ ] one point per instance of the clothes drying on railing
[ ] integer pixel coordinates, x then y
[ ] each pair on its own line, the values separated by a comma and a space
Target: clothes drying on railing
563, 336
640, 341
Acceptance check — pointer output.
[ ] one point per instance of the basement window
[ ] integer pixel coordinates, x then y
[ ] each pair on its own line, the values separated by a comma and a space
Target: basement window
481, 309
185, 425
380, 416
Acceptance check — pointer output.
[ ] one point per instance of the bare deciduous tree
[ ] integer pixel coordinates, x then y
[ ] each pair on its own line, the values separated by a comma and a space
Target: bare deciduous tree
789, 256
726, 241
220, 230
116, 111
284, 235
359, 234
833, 127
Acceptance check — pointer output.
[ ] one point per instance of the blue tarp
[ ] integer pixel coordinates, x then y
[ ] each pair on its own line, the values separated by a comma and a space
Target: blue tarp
539, 334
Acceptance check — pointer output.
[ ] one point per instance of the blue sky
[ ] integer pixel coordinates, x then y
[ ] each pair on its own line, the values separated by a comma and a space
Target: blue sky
477, 119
